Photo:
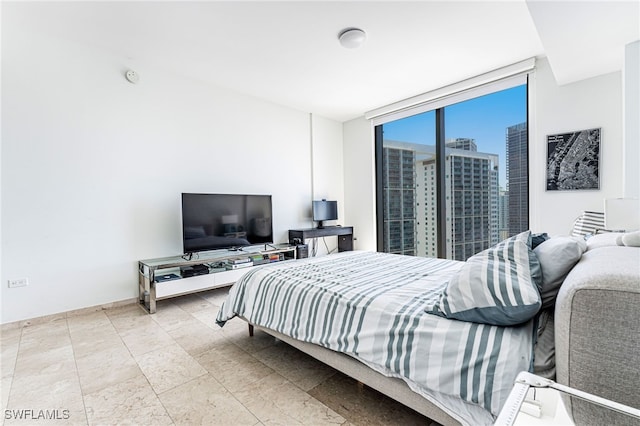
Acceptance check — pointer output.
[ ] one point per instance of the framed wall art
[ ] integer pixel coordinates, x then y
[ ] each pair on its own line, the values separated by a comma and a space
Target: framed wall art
573, 160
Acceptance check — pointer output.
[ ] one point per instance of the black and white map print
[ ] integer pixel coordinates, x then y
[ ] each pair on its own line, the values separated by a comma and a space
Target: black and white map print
573, 160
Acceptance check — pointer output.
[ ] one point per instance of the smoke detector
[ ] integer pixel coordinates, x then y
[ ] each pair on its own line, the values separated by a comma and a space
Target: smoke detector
132, 76
352, 38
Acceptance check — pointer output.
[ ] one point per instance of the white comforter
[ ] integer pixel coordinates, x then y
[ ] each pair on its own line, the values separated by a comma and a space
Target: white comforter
372, 306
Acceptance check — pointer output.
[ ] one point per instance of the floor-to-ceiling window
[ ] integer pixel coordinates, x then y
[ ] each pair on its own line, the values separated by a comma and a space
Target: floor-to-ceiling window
453, 181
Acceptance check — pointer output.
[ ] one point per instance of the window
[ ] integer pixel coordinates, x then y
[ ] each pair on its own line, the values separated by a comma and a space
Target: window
475, 155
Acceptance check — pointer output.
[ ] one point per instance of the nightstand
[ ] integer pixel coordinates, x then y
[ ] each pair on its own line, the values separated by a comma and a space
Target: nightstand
534, 400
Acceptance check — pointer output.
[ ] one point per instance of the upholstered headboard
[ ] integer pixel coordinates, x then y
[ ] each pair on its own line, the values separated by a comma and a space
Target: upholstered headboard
597, 329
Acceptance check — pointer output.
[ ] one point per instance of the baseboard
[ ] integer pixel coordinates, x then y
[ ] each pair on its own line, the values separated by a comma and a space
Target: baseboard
73, 313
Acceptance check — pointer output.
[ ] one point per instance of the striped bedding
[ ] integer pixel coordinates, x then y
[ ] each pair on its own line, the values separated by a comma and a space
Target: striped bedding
372, 306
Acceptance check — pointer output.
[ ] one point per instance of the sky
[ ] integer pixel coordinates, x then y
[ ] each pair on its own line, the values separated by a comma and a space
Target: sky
484, 119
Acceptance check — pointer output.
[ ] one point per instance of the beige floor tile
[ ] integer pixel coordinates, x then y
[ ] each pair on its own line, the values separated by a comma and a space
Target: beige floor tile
232, 366
33, 362
105, 368
169, 367
252, 344
67, 415
140, 323
97, 320
9, 343
47, 319
10, 335
8, 355
257, 399
43, 380
300, 368
236, 329
177, 366
216, 296
6, 381
208, 316
146, 338
128, 318
235, 326
195, 337
90, 341
204, 401
275, 400
51, 390
170, 316
360, 404
192, 303
45, 336
131, 402
46, 397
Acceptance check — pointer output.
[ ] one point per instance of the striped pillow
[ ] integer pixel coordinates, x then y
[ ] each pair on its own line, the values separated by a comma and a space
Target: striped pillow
588, 223
499, 286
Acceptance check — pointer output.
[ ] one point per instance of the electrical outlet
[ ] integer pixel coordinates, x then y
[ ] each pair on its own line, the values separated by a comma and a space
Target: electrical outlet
20, 282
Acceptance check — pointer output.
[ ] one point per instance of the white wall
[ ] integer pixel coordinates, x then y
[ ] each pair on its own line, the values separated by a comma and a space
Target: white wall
93, 167
327, 174
596, 102
359, 183
591, 103
631, 96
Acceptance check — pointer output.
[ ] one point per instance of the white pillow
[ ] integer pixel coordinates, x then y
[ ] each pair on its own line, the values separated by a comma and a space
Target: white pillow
630, 239
603, 240
557, 256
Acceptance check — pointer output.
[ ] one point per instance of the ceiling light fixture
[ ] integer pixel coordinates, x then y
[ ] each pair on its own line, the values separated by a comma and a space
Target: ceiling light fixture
352, 38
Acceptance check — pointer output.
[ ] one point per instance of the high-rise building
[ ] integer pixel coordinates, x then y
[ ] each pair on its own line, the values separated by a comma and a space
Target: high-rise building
517, 178
399, 199
427, 206
467, 144
471, 193
472, 222
503, 215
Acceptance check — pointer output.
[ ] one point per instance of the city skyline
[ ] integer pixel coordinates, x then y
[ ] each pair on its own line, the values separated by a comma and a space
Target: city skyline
410, 204
486, 177
484, 119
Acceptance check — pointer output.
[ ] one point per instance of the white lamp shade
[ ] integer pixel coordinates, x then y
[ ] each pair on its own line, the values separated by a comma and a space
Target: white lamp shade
622, 214
230, 219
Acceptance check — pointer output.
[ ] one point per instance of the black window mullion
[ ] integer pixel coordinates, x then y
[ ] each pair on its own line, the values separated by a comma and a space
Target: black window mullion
379, 189
441, 213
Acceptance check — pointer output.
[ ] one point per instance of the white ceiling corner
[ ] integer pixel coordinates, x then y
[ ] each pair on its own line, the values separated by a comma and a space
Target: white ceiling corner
288, 52
584, 39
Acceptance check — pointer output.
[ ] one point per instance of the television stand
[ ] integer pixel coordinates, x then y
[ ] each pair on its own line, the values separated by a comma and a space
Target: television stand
344, 234
167, 277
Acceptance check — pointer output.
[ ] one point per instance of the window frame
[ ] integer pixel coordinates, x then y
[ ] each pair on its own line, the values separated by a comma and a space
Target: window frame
438, 105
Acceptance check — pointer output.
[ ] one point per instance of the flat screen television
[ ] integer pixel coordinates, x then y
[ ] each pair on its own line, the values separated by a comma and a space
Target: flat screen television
225, 221
324, 210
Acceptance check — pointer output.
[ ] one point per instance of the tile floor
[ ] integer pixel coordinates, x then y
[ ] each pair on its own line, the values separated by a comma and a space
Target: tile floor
123, 366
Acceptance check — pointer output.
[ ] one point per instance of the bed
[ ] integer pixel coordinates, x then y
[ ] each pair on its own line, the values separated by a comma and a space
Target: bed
404, 325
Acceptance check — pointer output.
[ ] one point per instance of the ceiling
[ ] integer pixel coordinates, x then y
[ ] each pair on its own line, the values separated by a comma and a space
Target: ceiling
288, 52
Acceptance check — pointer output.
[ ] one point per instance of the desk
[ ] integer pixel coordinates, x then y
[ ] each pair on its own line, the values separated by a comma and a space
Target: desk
344, 234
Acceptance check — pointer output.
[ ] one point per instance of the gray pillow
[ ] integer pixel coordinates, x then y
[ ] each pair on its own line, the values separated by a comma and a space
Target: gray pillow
557, 257
498, 286
544, 352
